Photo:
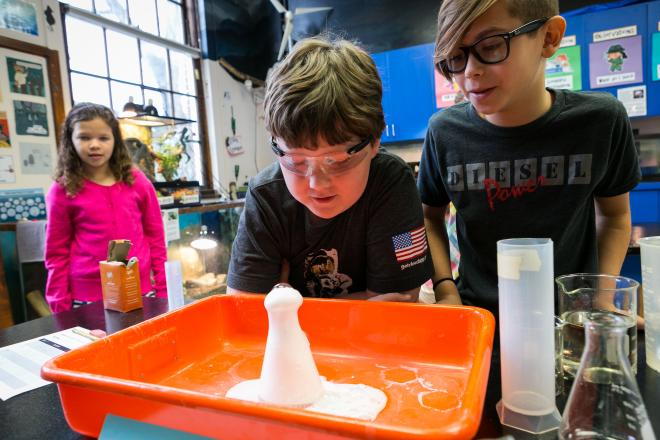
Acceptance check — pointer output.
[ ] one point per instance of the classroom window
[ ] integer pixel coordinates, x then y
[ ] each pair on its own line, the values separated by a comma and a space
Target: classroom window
137, 50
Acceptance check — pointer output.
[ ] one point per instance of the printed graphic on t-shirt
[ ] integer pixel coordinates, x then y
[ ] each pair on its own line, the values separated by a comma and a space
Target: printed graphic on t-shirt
321, 277
507, 179
410, 245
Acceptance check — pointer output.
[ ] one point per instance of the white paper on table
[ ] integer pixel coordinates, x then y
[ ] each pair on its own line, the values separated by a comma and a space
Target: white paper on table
31, 240
20, 364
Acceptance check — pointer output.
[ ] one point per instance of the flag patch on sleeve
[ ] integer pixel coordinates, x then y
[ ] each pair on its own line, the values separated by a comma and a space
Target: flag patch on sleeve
410, 244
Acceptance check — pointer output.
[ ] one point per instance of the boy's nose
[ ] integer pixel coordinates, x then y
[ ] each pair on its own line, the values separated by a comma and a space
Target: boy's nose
317, 177
473, 68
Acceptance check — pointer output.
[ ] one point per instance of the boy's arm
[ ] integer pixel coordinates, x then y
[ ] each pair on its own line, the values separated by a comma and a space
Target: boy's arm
434, 220
613, 228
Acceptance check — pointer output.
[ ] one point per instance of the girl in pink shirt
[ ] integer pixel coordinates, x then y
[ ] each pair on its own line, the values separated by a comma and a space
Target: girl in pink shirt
98, 196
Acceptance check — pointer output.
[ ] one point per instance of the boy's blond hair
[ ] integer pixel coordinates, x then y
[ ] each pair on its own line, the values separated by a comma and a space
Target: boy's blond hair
324, 88
455, 16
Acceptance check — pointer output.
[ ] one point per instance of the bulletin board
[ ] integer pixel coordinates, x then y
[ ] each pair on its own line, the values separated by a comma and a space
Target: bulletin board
31, 111
27, 136
619, 55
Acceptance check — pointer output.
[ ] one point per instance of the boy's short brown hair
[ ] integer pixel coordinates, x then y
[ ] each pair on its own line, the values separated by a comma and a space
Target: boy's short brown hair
455, 16
327, 88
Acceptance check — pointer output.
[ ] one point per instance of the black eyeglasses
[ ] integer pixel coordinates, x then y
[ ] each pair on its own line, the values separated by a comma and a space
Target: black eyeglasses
488, 50
335, 163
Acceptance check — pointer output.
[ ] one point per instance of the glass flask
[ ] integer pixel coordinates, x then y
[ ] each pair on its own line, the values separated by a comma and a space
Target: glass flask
605, 402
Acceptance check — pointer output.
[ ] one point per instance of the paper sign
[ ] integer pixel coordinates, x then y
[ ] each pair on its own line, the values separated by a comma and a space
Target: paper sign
171, 224
633, 99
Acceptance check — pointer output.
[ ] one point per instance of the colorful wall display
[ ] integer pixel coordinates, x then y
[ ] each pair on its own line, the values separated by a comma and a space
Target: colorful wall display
614, 62
447, 92
5, 142
31, 118
25, 77
19, 15
655, 56
564, 69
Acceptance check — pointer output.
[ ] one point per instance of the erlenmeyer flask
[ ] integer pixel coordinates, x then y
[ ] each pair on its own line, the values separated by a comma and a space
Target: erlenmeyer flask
605, 402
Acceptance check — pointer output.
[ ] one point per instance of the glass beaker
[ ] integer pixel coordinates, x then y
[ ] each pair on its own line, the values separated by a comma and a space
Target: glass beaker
650, 255
527, 334
582, 293
605, 402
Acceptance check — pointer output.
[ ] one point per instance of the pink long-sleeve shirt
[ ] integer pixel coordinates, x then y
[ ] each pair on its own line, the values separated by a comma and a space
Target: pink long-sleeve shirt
79, 229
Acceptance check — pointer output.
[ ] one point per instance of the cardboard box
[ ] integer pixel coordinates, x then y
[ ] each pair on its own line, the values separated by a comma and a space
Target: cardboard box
121, 285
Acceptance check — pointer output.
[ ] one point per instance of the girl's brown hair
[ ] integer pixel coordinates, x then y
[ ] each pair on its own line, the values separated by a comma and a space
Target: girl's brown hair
69, 171
456, 16
328, 88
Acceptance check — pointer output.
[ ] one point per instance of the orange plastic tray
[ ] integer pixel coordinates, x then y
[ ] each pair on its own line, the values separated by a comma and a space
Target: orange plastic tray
174, 370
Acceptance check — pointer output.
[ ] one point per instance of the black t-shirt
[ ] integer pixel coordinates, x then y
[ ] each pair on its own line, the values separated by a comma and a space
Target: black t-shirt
538, 181
378, 244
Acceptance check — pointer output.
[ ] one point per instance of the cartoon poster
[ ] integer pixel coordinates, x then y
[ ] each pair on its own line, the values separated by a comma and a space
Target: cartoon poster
18, 15
655, 56
31, 118
25, 77
4, 131
35, 158
564, 69
447, 92
614, 62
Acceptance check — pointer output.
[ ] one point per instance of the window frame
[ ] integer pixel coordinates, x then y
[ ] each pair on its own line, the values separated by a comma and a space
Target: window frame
191, 48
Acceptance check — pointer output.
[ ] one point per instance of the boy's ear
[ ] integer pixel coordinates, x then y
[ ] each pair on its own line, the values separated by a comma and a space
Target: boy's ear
555, 28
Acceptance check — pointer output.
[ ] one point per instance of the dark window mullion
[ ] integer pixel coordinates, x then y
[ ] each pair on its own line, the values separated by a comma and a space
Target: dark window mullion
107, 62
169, 70
157, 19
141, 74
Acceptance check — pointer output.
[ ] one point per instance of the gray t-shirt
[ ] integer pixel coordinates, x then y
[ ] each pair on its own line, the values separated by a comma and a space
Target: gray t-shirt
538, 181
379, 243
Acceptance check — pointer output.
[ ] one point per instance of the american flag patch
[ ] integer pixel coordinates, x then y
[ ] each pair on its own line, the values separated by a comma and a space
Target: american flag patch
410, 244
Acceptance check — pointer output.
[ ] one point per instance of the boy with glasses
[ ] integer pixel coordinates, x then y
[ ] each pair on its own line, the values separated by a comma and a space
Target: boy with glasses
334, 216
518, 159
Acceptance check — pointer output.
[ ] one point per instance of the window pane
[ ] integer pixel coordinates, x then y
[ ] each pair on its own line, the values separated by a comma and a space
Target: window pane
161, 100
121, 93
82, 4
143, 15
123, 58
154, 66
86, 47
185, 107
183, 79
170, 16
114, 10
89, 89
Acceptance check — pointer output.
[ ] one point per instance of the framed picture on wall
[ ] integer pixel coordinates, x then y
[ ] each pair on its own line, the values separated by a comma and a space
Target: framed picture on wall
20, 16
31, 118
25, 77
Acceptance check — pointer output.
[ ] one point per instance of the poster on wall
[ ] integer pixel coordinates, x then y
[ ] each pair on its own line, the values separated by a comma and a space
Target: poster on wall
617, 61
25, 77
18, 15
31, 118
564, 69
7, 170
655, 56
447, 92
633, 99
4, 131
35, 158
